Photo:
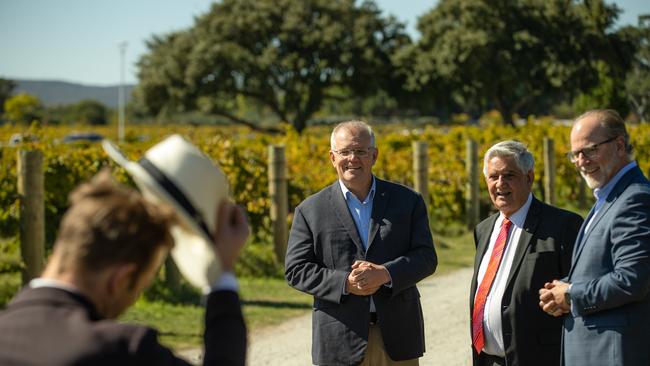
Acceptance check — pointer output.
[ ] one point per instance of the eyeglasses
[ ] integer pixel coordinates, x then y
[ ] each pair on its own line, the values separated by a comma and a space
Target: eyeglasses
589, 152
361, 153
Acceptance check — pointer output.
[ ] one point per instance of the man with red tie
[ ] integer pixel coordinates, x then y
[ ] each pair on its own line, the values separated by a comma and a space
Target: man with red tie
517, 249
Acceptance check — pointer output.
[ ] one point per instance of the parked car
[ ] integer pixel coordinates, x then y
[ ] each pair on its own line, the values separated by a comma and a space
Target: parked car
82, 137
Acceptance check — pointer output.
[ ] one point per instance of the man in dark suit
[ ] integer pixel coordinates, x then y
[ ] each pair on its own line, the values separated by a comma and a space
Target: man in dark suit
516, 250
359, 247
605, 299
110, 245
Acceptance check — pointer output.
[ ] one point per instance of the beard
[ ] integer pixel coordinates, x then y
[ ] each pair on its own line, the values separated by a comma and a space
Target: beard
600, 177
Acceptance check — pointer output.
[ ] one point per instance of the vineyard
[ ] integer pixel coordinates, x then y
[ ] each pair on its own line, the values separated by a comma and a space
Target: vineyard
242, 154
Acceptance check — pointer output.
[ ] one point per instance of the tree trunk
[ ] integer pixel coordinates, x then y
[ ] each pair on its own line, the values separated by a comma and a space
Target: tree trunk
506, 112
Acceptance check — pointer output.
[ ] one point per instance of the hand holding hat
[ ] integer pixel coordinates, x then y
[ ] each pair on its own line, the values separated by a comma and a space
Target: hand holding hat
176, 173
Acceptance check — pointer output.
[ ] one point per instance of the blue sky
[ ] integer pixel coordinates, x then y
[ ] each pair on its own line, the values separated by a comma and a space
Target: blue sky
78, 40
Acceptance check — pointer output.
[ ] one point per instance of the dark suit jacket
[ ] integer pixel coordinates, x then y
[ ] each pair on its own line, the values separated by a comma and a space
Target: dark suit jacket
610, 281
53, 327
531, 337
323, 244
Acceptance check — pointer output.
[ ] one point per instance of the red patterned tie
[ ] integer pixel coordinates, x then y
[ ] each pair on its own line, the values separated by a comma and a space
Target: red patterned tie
478, 339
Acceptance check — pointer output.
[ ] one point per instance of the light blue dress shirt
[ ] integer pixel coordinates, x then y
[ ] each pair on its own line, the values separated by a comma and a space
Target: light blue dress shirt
360, 211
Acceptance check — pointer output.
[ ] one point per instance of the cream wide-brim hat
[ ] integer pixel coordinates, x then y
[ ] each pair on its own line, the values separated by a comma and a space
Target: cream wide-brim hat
176, 173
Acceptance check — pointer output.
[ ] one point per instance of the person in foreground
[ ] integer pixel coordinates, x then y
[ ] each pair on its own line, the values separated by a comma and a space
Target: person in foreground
109, 247
606, 294
359, 247
517, 249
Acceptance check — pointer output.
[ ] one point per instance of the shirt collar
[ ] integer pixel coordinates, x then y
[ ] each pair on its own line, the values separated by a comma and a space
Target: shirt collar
519, 217
602, 193
49, 282
369, 197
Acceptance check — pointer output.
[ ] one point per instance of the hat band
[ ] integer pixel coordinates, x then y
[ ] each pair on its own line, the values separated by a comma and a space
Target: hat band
175, 193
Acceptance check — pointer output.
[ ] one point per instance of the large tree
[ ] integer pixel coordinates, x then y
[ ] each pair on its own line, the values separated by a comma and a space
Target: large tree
285, 56
513, 55
637, 85
6, 88
23, 108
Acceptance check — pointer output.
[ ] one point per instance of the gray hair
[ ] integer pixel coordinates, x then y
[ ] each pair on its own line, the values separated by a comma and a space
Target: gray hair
515, 149
612, 123
352, 125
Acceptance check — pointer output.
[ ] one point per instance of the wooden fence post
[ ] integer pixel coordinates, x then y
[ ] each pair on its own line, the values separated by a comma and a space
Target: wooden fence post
32, 212
472, 188
421, 169
279, 199
549, 171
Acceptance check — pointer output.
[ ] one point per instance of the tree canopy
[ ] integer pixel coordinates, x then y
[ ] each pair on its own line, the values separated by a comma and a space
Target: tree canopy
23, 108
514, 55
6, 88
284, 56
637, 84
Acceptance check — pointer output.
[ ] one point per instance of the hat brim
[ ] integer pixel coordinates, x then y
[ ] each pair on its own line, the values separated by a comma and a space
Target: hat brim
194, 252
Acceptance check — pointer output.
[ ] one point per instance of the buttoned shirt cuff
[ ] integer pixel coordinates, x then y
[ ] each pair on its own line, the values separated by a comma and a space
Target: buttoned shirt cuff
227, 281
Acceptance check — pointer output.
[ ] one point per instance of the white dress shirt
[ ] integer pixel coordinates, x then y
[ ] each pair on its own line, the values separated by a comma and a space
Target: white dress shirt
492, 313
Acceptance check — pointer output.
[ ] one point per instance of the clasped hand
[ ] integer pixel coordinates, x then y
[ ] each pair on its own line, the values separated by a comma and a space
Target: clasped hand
366, 278
552, 299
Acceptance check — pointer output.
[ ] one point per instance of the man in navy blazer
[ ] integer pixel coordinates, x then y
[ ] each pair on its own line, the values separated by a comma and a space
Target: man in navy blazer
359, 247
108, 249
606, 295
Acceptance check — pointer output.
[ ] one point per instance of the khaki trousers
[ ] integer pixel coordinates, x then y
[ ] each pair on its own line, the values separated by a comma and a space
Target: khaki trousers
377, 356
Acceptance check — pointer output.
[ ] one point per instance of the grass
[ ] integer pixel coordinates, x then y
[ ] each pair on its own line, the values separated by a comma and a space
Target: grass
266, 302
454, 252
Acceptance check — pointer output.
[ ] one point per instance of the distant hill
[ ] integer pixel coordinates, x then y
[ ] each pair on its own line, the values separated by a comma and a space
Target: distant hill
60, 92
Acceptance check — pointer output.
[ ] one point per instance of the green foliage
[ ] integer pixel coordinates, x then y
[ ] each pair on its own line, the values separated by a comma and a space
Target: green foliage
242, 154
23, 108
609, 92
6, 88
284, 56
10, 269
90, 112
637, 84
515, 56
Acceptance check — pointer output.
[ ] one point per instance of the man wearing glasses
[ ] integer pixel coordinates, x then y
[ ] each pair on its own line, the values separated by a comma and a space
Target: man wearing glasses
606, 295
359, 247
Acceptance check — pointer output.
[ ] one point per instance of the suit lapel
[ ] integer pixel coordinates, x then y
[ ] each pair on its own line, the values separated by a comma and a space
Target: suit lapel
342, 212
379, 205
530, 225
577, 247
622, 184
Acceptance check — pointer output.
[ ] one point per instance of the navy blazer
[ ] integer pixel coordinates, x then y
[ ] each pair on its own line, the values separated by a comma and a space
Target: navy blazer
323, 244
54, 327
610, 281
530, 336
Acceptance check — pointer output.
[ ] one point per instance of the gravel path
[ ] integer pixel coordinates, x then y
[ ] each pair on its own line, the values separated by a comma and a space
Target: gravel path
445, 304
